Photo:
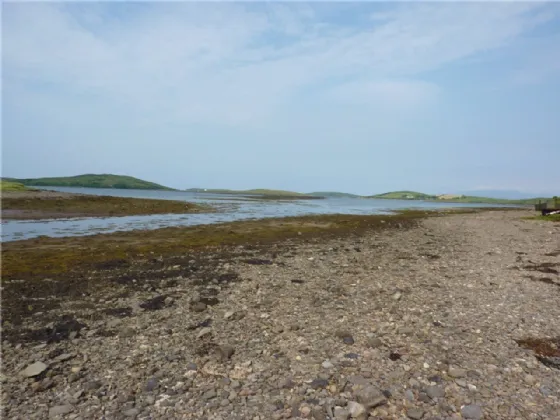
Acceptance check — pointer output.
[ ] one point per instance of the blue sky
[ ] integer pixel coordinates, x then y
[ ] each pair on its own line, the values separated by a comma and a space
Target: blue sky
358, 97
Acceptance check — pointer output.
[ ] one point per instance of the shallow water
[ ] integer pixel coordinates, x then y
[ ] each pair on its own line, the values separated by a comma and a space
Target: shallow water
231, 208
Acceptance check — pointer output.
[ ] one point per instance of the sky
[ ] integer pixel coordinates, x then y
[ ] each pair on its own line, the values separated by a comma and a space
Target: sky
365, 97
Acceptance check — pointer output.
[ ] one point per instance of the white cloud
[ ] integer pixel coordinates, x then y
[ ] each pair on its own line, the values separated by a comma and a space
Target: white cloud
238, 63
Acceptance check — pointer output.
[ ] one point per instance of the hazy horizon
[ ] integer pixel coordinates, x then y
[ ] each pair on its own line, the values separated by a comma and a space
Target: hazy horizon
362, 98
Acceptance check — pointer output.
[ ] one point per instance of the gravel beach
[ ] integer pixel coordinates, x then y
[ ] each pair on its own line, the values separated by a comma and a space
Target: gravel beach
454, 317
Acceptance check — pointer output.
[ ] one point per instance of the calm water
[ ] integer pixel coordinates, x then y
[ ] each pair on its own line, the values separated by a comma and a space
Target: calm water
231, 208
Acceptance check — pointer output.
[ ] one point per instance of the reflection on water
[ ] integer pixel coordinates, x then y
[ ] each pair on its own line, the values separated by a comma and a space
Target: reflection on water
231, 208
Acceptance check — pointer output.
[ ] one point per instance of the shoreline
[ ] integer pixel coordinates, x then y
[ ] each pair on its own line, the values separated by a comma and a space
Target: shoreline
51, 205
288, 318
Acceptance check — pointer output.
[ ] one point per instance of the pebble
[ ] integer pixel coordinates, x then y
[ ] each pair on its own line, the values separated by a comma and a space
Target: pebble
327, 364
371, 397
435, 391
152, 384
208, 395
204, 332
374, 342
456, 372
357, 410
226, 351
415, 413
341, 413
34, 369
472, 411
198, 307
133, 412
60, 410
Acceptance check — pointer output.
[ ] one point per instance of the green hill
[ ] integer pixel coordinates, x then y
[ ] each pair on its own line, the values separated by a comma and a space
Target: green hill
12, 186
405, 195
333, 194
452, 198
260, 192
92, 181
256, 191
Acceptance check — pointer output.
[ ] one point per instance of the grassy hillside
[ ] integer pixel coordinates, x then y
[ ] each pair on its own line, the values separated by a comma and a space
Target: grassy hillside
450, 198
93, 181
257, 191
405, 195
12, 186
333, 194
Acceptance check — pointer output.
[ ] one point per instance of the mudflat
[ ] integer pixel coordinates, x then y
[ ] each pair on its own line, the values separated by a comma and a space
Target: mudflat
25, 205
451, 317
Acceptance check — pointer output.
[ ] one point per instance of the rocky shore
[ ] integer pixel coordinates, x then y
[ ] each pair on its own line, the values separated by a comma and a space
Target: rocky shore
454, 317
42, 204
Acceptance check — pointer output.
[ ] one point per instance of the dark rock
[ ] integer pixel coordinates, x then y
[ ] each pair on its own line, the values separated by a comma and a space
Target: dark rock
154, 304
152, 384
319, 383
472, 411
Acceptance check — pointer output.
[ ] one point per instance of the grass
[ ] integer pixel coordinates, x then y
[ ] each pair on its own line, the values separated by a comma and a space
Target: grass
549, 218
12, 186
92, 181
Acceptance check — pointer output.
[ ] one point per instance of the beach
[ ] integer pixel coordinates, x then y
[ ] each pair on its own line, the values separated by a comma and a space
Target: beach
421, 315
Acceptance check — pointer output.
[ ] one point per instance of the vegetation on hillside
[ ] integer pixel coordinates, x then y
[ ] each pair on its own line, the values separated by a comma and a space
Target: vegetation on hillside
12, 186
260, 192
93, 181
333, 194
405, 195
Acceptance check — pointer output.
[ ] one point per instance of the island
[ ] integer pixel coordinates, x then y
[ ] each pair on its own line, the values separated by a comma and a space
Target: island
92, 181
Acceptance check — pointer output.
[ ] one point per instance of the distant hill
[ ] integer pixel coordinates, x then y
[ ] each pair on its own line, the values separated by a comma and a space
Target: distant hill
505, 194
457, 198
405, 195
92, 181
261, 192
333, 194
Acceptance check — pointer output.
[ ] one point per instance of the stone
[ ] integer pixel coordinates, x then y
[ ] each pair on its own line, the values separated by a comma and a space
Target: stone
341, 413
226, 351
318, 413
397, 296
319, 383
371, 397
285, 383
456, 372
133, 412
472, 411
374, 342
60, 410
327, 364
152, 384
305, 411
435, 391
348, 340
409, 395
406, 330
208, 395
191, 367
415, 413
198, 307
34, 369
204, 332
357, 410
92, 385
